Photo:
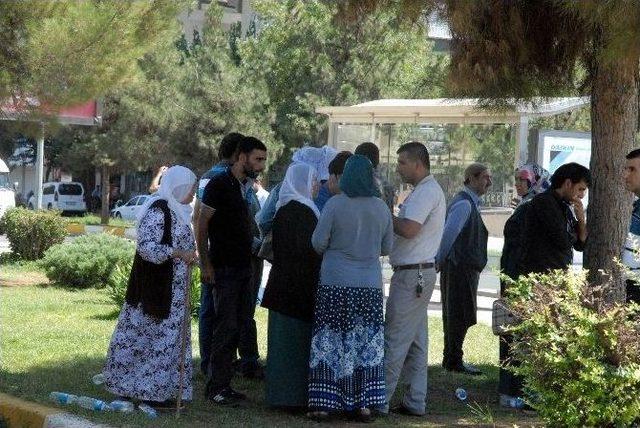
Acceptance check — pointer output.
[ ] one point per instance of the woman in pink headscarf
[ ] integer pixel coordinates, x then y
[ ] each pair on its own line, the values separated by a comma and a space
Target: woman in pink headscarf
530, 179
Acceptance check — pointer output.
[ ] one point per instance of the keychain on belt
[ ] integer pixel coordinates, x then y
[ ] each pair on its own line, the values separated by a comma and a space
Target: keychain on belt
420, 285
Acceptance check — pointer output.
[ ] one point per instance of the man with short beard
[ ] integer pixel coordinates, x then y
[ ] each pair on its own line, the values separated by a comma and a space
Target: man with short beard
226, 153
225, 246
555, 223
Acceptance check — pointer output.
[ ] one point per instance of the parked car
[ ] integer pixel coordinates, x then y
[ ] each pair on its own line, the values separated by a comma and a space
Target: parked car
7, 194
130, 210
67, 197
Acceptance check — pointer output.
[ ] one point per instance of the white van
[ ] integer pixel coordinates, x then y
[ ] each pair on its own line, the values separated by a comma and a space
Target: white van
67, 197
7, 195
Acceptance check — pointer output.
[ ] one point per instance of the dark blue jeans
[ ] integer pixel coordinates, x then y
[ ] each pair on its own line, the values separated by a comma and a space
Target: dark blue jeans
232, 300
248, 336
248, 339
205, 325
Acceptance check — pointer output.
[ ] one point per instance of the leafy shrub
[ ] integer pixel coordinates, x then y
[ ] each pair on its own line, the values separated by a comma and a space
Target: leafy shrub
31, 233
119, 279
117, 283
579, 353
87, 261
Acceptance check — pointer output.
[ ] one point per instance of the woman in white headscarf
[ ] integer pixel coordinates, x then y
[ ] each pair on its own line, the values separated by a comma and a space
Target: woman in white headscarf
291, 289
319, 159
144, 354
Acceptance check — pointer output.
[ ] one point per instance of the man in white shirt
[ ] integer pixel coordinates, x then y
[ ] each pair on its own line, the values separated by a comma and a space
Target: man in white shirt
418, 230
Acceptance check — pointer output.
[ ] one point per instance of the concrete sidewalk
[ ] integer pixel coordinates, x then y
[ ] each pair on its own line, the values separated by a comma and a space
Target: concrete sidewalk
20, 413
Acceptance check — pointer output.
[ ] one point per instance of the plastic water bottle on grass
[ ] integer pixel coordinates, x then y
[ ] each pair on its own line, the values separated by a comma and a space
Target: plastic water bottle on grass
122, 406
148, 410
516, 403
62, 397
461, 394
92, 404
98, 379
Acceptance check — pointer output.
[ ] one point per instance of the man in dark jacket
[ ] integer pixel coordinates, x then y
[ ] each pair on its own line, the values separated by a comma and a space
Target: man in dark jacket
555, 222
461, 258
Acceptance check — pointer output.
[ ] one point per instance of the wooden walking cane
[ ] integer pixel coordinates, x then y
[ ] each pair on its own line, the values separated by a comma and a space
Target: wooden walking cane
183, 338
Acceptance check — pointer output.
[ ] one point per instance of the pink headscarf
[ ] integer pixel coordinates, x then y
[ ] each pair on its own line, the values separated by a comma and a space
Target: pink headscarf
537, 178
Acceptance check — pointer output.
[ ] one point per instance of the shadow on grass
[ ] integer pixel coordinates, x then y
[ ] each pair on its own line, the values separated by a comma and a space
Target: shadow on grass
107, 316
482, 394
74, 376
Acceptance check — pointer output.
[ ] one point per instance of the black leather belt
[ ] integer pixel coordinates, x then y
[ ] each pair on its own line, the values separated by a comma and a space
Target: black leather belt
414, 266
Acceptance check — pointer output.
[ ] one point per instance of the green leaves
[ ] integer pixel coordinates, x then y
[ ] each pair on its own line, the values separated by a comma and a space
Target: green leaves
580, 360
67, 52
87, 261
31, 233
307, 58
119, 280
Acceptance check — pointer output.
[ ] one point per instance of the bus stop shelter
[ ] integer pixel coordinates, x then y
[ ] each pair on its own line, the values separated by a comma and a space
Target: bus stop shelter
467, 111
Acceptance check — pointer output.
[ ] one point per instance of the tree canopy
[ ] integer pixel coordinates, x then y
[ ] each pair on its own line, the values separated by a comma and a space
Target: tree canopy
67, 51
307, 58
504, 51
184, 99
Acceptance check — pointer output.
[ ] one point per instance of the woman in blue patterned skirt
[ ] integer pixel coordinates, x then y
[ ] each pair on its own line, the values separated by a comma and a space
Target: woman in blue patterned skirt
347, 347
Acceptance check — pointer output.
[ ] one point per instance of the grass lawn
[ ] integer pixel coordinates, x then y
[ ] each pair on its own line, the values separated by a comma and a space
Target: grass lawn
94, 220
54, 339
19, 272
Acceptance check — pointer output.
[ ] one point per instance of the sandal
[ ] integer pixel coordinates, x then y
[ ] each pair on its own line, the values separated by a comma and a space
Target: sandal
318, 416
363, 415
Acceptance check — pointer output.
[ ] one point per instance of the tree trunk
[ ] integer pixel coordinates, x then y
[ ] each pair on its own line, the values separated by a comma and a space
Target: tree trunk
614, 116
105, 189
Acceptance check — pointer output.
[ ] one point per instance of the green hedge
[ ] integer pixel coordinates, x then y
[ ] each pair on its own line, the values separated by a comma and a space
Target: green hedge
579, 353
120, 278
31, 233
87, 261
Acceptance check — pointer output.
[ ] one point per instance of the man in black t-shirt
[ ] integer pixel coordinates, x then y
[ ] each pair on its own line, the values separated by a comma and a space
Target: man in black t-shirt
224, 243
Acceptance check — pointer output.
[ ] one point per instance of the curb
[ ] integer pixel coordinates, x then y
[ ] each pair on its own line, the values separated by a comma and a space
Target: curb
76, 229
21, 413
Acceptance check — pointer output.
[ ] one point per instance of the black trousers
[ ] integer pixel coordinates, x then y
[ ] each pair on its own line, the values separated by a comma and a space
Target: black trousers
233, 300
458, 288
248, 339
633, 291
509, 384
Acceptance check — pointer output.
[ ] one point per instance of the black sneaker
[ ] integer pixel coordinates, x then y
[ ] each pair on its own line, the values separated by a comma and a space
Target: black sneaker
235, 394
227, 397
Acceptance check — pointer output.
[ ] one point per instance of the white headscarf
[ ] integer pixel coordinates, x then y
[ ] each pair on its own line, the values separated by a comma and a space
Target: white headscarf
175, 186
317, 157
298, 186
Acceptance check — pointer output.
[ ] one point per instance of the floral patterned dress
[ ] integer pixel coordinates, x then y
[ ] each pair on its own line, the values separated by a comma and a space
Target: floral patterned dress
144, 354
